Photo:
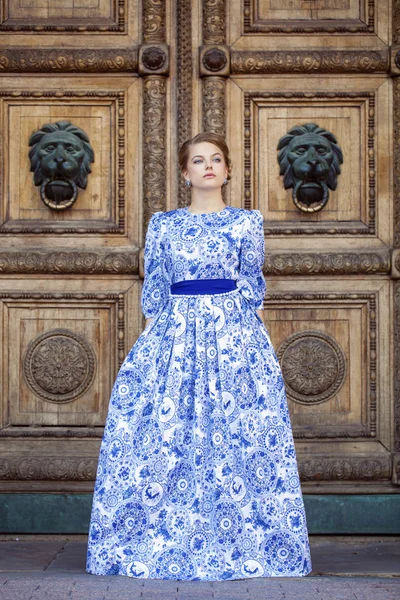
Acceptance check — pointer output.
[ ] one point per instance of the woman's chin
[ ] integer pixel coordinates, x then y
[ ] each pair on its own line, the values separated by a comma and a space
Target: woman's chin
207, 184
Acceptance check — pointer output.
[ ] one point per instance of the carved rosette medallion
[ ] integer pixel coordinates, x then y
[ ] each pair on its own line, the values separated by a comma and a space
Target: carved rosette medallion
313, 366
59, 366
214, 60
153, 58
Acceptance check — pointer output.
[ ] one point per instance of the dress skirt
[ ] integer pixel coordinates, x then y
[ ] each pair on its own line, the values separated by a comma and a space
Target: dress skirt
197, 476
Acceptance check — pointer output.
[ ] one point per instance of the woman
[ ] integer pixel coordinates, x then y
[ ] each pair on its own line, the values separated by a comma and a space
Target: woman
197, 475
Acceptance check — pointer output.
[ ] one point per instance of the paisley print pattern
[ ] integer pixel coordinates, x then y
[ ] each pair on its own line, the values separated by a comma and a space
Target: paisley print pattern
197, 475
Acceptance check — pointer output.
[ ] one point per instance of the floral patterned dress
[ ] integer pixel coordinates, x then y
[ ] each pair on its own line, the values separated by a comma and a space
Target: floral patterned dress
197, 475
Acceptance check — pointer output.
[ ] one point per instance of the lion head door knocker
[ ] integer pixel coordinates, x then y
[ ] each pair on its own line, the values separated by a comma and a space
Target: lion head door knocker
60, 160
309, 159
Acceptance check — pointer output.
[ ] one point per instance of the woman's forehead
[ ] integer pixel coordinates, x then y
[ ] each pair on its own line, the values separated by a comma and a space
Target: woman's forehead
203, 149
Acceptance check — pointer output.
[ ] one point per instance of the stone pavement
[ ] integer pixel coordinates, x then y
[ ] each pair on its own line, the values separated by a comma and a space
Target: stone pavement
344, 568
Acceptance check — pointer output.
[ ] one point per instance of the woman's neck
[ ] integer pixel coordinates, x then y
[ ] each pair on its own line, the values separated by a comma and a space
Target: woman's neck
210, 201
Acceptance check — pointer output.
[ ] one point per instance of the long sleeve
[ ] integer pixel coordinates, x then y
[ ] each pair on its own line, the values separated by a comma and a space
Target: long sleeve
251, 282
156, 284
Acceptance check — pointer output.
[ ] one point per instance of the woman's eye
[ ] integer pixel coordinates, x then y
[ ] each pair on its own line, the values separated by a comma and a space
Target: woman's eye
217, 159
197, 161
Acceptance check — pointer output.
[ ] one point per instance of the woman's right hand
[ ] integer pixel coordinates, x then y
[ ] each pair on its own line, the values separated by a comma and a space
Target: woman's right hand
148, 321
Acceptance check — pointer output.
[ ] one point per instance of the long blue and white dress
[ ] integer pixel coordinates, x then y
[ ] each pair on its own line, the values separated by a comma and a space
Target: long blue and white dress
197, 475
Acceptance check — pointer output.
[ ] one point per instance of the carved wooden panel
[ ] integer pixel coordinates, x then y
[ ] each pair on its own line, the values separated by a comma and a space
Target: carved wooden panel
327, 348
349, 110
48, 465
280, 22
61, 350
103, 15
333, 342
109, 118
272, 13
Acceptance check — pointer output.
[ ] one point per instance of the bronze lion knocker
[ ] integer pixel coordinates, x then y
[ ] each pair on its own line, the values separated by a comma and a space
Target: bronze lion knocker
309, 159
60, 160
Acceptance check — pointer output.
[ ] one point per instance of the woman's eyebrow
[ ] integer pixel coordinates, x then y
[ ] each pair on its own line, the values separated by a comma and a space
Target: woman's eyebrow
201, 156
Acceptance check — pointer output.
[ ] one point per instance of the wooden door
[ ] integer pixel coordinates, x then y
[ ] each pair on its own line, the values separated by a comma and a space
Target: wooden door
138, 78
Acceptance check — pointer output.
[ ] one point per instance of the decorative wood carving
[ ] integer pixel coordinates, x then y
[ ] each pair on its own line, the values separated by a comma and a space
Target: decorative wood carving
56, 25
153, 21
303, 61
297, 26
214, 22
184, 86
214, 60
117, 225
154, 146
71, 60
68, 261
153, 60
396, 21
214, 105
74, 468
313, 366
396, 161
396, 469
397, 367
337, 371
127, 262
79, 468
309, 158
317, 228
52, 432
345, 468
65, 143
326, 263
59, 366
47, 355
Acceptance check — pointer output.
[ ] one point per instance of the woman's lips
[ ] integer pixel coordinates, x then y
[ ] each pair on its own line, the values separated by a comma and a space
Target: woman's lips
209, 176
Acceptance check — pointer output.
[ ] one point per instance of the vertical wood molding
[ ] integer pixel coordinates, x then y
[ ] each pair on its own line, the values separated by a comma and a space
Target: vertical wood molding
214, 22
214, 104
154, 29
214, 92
154, 146
396, 227
184, 85
396, 161
154, 117
397, 367
396, 21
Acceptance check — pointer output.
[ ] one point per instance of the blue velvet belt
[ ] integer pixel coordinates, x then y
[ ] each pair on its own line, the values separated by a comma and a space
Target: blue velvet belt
191, 287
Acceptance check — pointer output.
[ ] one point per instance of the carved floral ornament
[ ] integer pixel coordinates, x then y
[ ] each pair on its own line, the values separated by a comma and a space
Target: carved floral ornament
309, 159
313, 366
60, 158
214, 59
153, 59
59, 366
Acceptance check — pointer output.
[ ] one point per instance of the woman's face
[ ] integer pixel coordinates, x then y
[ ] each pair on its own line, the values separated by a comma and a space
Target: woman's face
206, 167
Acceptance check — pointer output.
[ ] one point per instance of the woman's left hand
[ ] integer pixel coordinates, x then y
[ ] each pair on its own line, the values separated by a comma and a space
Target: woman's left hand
260, 313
